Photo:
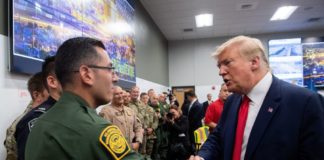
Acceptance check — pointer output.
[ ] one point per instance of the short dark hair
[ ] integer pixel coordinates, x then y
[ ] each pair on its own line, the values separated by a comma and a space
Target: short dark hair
72, 54
191, 94
35, 83
48, 68
143, 94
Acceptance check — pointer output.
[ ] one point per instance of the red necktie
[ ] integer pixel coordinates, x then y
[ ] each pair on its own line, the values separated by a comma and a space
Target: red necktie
241, 121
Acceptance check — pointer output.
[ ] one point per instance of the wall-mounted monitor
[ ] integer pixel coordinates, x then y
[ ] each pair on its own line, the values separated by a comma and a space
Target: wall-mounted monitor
298, 60
286, 60
38, 27
313, 49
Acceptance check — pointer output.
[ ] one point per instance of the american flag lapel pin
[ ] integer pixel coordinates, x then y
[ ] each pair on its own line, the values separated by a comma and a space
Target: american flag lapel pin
270, 109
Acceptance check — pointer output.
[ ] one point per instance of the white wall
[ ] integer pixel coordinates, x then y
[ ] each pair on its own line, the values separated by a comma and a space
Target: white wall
202, 92
145, 85
13, 93
190, 62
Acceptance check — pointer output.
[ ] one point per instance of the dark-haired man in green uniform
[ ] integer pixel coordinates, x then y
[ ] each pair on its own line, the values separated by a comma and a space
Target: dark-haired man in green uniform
72, 129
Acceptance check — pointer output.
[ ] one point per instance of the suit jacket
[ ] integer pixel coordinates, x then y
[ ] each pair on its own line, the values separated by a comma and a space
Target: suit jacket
185, 107
289, 126
205, 106
194, 116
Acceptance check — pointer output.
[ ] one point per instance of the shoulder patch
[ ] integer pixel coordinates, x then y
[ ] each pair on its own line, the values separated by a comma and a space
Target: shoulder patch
114, 141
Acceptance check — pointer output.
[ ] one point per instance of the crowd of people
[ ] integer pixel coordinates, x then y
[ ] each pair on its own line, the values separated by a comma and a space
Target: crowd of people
264, 118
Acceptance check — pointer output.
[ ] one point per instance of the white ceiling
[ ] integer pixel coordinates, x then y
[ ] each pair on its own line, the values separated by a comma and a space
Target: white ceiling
172, 16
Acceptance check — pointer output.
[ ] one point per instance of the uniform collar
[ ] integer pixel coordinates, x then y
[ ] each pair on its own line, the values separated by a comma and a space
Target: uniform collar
67, 95
71, 95
137, 102
119, 109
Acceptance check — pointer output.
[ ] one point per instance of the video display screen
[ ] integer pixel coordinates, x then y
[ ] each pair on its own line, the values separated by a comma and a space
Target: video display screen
314, 63
298, 60
286, 60
38, 27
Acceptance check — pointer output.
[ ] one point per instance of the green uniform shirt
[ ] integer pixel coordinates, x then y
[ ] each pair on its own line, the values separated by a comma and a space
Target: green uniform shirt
71, 130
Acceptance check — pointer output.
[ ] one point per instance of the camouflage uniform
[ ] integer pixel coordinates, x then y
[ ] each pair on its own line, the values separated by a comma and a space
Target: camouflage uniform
164, 107
147, 117
161, 146
151, 139
10, 142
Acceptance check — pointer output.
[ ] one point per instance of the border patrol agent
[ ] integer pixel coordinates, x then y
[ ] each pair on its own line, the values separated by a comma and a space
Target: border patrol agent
72, 129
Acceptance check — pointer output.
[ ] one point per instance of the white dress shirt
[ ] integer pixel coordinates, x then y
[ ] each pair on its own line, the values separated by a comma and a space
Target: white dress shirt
256, 95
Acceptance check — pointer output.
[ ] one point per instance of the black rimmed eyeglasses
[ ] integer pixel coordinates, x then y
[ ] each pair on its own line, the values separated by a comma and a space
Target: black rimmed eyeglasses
109, 68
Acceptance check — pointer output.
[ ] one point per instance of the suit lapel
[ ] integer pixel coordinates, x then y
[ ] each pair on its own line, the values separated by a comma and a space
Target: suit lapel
267, 111
192, 108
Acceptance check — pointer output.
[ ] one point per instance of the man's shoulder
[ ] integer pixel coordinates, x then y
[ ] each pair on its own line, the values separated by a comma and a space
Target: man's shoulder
39, 110
294, 89
123, 149
132, 105
212, 106
72, 118
141, 105
29, 119
90, 141
72, 127
108, 109
290, 92
197, 104
129, 110
149, 108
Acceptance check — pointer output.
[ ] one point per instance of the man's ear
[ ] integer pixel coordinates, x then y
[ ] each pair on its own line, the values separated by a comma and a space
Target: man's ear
255, 63
35, 95
52, 82
86, 75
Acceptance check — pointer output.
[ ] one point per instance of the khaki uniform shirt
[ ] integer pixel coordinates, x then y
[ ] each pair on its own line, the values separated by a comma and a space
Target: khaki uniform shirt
71, 130
125, 119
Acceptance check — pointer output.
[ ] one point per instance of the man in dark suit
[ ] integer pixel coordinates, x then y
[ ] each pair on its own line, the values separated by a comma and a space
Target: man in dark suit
194, 112
275, 120
207, 103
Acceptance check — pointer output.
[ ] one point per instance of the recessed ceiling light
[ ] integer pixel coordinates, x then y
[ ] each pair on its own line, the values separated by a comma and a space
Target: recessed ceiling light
204, 20
283, 13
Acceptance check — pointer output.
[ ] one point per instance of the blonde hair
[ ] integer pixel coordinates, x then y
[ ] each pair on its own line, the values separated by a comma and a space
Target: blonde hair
248, 47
